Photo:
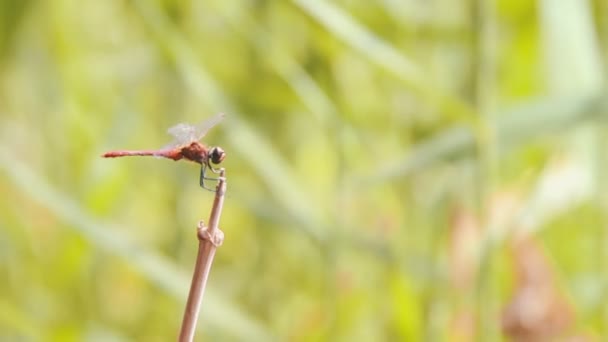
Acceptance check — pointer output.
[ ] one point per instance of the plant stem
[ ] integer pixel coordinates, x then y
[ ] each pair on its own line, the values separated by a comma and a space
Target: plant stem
485, 23
210, 237
602, 168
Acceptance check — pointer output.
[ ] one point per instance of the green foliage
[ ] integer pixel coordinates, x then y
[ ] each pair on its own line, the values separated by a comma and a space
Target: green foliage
355, 133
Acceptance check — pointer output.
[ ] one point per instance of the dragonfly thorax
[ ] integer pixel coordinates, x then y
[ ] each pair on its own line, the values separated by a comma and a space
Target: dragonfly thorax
195, 152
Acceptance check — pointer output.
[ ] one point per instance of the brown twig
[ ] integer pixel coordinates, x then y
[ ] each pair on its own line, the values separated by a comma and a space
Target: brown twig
210, 237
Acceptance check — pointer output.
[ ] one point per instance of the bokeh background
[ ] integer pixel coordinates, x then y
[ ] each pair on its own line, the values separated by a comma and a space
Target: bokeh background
397, 170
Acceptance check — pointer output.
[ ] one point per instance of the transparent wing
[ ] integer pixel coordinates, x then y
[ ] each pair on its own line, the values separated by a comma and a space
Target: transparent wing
186, 133
172, 145
201, 129
183, 133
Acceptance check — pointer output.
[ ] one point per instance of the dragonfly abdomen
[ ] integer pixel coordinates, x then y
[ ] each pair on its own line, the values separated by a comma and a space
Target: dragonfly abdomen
166, 154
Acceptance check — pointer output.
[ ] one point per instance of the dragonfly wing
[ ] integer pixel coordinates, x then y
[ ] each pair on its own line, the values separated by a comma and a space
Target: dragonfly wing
183, 133
171, 146
201, 129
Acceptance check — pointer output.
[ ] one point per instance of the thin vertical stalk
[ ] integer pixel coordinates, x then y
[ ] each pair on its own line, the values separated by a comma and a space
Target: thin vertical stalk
602, 169
601, 196
210, 237
484, 24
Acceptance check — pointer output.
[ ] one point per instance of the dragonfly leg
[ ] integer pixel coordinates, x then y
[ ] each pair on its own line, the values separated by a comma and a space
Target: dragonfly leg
216, 171
203, 177
212, 169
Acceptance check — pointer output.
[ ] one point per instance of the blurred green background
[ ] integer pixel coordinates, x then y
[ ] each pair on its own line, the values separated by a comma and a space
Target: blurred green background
397, 170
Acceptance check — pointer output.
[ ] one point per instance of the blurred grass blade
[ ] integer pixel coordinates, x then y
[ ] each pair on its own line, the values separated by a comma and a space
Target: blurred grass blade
319, 103
345, 28
218, 312
381, 53
563, 184
514, 127
570, 43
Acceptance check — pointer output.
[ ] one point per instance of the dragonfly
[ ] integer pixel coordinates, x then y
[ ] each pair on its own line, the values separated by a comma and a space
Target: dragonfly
186, 145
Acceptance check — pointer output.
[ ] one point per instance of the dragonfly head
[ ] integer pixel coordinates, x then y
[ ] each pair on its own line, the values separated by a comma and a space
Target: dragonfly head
216, 155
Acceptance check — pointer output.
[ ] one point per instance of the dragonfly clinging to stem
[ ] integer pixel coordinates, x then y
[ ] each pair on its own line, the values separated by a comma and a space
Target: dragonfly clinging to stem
186, 145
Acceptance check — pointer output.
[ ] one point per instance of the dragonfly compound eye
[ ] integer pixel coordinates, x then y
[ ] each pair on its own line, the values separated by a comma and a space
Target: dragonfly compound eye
216, 155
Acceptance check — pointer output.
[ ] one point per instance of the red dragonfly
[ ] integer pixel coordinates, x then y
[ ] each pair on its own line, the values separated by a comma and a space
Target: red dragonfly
186, 145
